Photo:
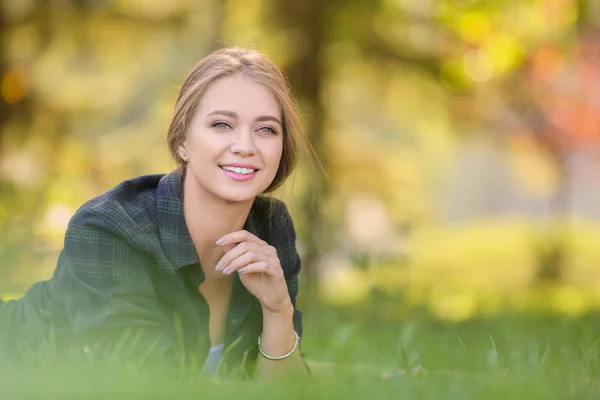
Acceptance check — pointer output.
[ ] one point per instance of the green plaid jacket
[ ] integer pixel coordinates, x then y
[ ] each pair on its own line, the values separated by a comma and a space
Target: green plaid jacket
129, 274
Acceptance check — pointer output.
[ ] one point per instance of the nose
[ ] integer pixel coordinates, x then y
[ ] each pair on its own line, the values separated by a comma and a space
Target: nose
243, 144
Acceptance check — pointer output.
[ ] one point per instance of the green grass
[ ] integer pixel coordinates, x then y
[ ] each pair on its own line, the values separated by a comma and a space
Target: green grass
352, 357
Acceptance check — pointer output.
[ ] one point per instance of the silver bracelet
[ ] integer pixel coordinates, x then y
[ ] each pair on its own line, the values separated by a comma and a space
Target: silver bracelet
296, 343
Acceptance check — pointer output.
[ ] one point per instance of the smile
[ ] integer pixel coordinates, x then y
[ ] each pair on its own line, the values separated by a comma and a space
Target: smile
238, 173
237, 170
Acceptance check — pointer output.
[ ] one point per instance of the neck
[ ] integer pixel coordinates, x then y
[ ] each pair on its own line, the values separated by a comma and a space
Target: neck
208, 217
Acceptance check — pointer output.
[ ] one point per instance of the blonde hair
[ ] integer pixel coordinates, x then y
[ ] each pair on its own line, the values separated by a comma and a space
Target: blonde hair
251, 64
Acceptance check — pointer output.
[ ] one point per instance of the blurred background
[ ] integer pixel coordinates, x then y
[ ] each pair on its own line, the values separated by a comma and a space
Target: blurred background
457, 142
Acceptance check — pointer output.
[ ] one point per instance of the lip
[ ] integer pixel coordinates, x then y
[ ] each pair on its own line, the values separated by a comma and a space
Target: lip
237, 177
234, 165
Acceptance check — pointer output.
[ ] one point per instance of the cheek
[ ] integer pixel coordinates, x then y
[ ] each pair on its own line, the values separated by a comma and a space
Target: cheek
202, 143
275, 152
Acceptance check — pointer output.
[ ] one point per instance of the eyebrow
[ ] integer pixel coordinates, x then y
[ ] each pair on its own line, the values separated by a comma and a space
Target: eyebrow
232, 114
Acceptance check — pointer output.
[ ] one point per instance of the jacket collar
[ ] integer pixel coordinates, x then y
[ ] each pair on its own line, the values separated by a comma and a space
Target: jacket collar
175, 238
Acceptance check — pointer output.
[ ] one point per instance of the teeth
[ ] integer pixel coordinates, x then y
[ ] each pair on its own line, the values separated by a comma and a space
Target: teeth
241, 171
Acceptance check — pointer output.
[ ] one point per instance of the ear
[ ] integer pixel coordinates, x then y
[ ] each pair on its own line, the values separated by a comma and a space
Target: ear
182, 152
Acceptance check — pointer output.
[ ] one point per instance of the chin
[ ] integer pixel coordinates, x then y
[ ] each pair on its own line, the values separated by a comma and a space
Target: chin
238, 196
241, 192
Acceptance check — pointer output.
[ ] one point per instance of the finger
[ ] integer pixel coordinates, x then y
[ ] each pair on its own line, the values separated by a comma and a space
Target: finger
234, 253
228, 247
238, 237
247, 258
261, 266
264, 267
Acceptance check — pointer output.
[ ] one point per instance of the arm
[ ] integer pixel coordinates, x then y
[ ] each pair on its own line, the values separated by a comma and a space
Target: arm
109, 297
270, 273
278, 338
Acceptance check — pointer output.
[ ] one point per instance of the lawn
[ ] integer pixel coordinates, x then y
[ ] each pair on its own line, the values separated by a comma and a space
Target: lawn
518, 357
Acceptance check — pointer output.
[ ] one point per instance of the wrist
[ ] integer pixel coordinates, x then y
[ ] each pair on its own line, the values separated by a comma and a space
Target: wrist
278, 322
278, 335
283, 311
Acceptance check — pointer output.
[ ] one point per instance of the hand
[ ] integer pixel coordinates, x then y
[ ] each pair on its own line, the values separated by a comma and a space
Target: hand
259, 268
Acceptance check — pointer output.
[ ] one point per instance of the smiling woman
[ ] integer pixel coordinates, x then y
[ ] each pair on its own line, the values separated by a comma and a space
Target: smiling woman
197, 264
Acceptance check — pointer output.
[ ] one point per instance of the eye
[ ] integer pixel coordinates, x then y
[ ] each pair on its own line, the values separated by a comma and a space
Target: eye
267, 129
221, 125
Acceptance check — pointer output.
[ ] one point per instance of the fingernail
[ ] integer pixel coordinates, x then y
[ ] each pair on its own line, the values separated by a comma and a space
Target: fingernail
242, 270
219, 265
226, 270
220, 241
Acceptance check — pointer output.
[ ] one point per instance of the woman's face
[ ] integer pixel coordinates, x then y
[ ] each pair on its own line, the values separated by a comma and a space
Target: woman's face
235, 141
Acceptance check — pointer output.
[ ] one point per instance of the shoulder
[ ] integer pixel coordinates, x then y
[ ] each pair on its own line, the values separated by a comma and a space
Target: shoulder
104, 245
272, 216
127, 208
276, 227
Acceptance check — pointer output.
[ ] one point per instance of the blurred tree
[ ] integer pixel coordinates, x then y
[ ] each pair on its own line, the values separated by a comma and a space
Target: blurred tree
424, 44
307, 76
559, 107
554, 96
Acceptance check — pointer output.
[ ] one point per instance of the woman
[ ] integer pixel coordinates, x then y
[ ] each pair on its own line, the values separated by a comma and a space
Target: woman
192, 267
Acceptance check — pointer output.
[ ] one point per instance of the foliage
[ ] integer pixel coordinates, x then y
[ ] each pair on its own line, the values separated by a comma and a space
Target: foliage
476, 269
499, 358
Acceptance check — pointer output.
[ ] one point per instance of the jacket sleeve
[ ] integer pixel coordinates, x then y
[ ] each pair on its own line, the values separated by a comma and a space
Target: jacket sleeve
284, 236
109, 297
26, 325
